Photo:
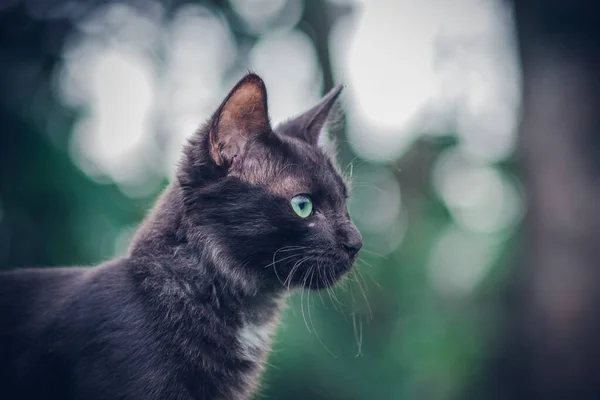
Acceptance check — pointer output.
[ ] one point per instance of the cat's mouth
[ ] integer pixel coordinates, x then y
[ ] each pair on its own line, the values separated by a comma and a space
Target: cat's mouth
314, 271
329, 274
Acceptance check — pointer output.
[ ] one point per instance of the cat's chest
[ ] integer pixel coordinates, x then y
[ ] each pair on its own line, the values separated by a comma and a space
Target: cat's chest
254, 340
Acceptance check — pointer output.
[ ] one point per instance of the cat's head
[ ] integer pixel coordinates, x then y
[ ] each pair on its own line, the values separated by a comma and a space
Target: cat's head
267, 205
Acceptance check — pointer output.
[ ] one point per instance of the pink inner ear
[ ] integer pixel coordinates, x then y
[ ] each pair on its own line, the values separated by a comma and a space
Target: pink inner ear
243, 116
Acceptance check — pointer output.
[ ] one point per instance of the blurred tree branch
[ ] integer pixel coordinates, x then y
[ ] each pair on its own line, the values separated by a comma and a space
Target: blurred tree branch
552, 348
317, 22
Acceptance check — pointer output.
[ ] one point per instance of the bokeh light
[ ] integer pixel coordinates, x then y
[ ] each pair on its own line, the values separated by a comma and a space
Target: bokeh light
451, 60
480, 198
460, 260
288, 63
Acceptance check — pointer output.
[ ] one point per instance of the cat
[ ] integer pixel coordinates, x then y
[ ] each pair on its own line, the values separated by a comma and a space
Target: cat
189, 311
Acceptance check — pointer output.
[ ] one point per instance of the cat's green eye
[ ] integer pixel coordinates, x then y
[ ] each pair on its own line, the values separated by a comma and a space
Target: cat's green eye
302, 205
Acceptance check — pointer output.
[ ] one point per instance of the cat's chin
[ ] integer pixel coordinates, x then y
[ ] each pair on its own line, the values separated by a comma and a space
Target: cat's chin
327, 276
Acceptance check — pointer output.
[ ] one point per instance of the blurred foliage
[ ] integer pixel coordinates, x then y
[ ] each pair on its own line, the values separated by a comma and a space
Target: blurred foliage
389, 332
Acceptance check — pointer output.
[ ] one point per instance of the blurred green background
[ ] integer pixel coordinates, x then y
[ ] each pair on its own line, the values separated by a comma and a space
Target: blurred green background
97, 98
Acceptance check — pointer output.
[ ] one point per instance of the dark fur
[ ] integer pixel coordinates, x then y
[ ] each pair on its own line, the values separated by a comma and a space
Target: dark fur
164, 321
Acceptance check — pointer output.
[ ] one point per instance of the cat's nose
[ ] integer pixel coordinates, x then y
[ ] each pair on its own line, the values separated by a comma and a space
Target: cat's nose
353, 242
353, 248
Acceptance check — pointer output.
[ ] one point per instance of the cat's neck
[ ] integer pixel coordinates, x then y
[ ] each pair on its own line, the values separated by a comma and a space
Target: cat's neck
193, 301
162, 250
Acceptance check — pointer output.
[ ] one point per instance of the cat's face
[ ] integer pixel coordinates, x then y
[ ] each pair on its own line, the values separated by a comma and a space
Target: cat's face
269, 203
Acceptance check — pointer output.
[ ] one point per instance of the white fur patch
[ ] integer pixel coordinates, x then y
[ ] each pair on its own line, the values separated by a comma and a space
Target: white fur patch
254, 340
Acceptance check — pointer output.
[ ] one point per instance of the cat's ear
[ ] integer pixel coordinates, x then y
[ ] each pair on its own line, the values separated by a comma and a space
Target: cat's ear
312, 121
241, 117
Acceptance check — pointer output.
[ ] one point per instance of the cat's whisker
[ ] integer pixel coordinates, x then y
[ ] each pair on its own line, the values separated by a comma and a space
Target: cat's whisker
357, 327
322, 280
278, 261
350, 165
297, 266
360, 281
373, 253
331, 291
302, 301
333, 303
291, 248
367, 186
358, 333
323, 277
362, 261
343, 285
328, 288
293, 271
312, 273
351, 292
368, 273
283, 259
284, 248
279, 278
